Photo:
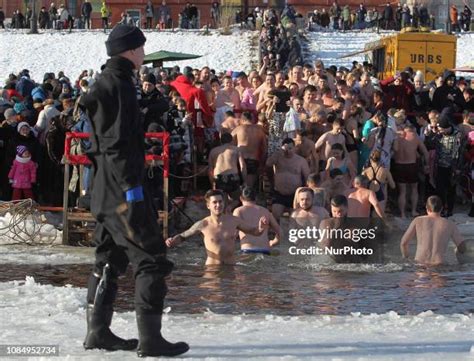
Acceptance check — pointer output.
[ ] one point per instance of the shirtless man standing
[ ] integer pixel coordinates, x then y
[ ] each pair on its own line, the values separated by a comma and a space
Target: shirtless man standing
250, 213
304, 147
252, 143
405, 167
360, 199
432, 233
290, 172
306, 213
219, 230
224, 163
335, 184
325, 142
332, 241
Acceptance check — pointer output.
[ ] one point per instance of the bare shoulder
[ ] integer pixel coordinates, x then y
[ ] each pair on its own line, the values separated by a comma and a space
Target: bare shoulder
295, 213
328, 222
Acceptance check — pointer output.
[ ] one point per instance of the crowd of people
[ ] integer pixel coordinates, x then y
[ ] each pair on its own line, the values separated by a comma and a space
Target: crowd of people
389, 17
335, 124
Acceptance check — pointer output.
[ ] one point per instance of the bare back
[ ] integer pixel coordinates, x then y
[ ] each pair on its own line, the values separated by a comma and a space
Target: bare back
250, 139
250, 214
225, 159
433, 234
359, 203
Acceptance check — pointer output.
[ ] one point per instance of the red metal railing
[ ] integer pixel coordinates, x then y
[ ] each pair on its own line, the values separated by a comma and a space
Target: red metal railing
81, 159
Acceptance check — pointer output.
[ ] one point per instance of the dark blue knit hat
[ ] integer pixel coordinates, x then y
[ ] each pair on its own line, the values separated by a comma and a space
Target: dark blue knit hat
123, 38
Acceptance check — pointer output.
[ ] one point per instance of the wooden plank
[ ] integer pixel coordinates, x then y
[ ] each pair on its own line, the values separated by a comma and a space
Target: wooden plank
65, 204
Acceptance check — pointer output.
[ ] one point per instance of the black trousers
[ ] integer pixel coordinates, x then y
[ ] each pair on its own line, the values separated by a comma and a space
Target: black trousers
445, 187
131, 234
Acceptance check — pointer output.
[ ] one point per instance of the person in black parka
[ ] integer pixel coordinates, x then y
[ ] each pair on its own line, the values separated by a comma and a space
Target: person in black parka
127, 229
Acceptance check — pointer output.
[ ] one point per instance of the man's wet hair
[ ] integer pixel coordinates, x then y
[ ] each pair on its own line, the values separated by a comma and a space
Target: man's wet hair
314, 178
288, 141
248, 194
333, 173
226, 138
339, 201
434, 204
309, 88
213, 193
247, 115
306, 190
362, 179
229, 113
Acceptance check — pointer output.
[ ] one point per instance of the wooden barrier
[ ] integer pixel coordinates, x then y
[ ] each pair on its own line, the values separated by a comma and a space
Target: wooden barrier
74, 159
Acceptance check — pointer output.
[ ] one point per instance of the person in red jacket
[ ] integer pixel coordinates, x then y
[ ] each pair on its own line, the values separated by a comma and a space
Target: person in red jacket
398, 91
197, 105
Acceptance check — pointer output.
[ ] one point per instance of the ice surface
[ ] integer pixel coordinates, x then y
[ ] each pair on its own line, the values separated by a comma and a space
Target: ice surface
72, 53
43, 314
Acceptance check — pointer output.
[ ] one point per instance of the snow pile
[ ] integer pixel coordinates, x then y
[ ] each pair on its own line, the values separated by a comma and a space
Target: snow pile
72, 53
27, 228
43, 314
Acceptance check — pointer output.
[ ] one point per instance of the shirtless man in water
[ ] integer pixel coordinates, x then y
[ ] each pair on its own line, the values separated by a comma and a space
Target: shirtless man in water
405, 167
290, 172
224, 163
360, 199
250, 213
306, 213
432, 233
219, 231
252, 143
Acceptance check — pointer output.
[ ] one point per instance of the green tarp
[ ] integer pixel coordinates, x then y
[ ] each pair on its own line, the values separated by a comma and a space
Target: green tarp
163, 55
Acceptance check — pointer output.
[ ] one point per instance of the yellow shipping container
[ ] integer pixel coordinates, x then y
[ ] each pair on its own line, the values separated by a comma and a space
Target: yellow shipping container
431, 53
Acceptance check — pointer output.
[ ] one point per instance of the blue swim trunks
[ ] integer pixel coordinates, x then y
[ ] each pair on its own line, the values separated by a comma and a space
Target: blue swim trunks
256, 250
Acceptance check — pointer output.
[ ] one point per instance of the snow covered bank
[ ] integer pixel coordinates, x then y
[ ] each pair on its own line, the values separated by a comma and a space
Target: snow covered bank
330, 46
54, 51
43, 314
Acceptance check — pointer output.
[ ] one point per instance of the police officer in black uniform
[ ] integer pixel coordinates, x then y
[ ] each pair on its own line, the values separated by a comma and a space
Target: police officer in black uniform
127, 228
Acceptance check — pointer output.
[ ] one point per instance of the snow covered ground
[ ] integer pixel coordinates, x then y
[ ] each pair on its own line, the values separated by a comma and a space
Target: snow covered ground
72, 53
54, 51
43, 314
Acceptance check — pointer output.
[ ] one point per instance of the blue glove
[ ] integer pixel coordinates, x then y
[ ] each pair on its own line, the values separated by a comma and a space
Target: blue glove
134, 194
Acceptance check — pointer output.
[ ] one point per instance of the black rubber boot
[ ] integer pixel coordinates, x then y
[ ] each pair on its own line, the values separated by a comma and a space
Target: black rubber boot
151, 341
99, 334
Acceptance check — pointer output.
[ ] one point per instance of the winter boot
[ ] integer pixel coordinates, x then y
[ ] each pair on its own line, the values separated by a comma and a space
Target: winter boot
99, 334
151, 341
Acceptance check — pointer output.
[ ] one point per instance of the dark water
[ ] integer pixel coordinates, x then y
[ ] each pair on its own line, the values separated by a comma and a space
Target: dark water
285, 286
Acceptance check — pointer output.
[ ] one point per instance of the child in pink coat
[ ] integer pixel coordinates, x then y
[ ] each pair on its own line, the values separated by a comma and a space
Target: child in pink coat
22, 174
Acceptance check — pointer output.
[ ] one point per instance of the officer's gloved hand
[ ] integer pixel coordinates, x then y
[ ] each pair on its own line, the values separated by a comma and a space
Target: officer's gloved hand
134, 194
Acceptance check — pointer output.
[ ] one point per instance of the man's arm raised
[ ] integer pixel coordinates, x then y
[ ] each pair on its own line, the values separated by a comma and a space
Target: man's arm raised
195, 229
